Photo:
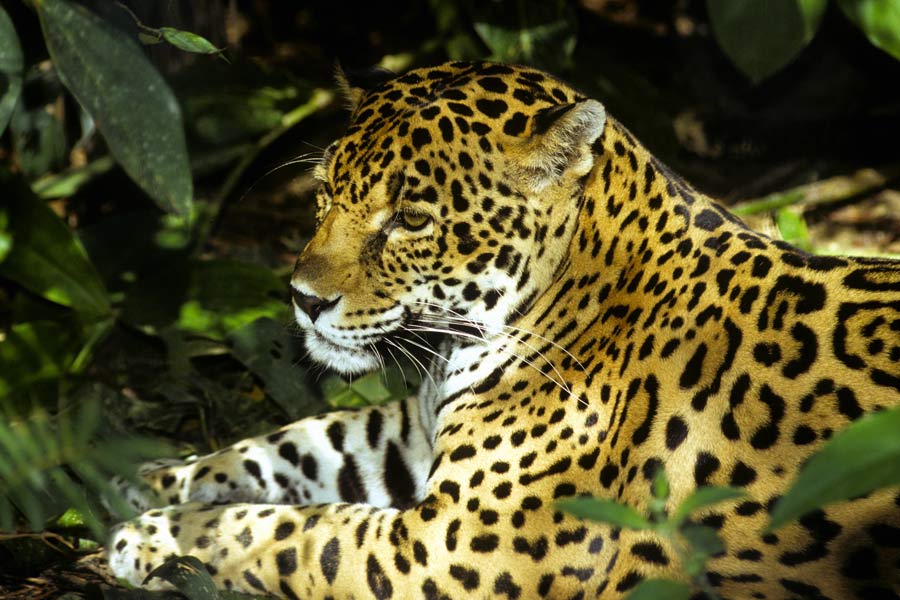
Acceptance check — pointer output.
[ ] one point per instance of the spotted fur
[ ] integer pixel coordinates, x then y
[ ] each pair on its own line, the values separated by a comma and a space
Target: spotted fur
596, 319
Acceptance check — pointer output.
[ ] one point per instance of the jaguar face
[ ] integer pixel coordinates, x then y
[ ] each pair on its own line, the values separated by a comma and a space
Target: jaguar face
436, 214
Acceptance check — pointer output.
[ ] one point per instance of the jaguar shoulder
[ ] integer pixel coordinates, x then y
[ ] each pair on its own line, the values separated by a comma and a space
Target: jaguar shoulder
585, 317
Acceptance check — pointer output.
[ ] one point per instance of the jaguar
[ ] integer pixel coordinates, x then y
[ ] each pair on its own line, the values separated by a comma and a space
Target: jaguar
585, 318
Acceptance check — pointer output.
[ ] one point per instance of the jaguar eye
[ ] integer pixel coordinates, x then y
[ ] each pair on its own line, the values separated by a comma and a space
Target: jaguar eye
413, 221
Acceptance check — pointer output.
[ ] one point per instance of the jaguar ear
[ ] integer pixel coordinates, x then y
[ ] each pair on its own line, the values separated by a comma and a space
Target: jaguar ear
355, 84
560, 143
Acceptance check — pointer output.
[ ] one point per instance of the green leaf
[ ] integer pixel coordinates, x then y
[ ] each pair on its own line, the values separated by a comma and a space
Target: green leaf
792, 227
187, 41
860, 459
703, 539
227, 294
372, 387
45, 257
6, 238
604, 511
762, 37
223, 105
537, 32
271, 353
35, 352
704, 497
660, 485
210, 298
660, 589
878, 19
131, 103
11, 65
188, 575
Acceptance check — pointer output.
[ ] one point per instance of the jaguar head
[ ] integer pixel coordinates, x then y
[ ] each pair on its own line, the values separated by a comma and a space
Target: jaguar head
447, 206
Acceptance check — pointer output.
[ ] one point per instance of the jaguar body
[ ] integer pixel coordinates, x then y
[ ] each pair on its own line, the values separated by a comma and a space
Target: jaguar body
586, 318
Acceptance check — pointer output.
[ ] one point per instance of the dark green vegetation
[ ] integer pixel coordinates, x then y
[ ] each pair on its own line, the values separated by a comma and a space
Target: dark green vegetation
152, 199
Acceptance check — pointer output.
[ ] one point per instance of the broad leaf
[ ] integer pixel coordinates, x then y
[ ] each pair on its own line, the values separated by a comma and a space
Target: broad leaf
604, 511
129, 100
660, 589
187, 41
11, 65
860, 459
704, 497
189, 576
792, 227
271, 353
45, 257
878, 19
762, 37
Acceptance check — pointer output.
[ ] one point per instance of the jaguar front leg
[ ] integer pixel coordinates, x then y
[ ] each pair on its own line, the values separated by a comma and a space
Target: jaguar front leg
376, 455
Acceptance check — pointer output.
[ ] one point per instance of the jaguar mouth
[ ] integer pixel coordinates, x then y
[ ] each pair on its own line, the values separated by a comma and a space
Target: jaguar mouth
341, 358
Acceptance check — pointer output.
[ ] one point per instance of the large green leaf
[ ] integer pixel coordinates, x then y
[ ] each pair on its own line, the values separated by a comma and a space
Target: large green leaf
704, 497
878, 19
11, 65
604, 511
762, 36
862, 458
271, 353
129, 100
660, 589
188, 574
46, 258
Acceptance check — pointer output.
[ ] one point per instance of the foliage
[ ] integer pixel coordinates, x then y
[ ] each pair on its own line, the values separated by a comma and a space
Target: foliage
693, 543
50, 464
862, 458
11, 65
127, 98
125, 308
762, 37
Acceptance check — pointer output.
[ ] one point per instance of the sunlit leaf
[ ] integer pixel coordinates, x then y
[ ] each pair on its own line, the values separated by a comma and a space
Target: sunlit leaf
6, 238
129, 100
604, 511
878, 19
227, 294
660, 589
792, 227
860, 459
46, 258
187, 41
762, 37
11, 65
703, 498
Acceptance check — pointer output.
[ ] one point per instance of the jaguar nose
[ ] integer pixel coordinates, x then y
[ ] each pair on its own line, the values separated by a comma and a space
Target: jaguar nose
313, 306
